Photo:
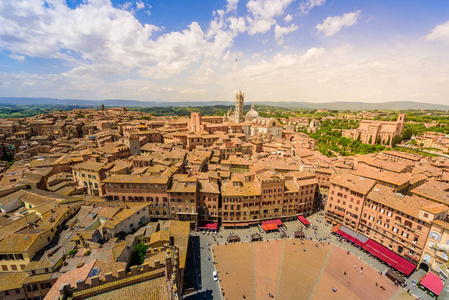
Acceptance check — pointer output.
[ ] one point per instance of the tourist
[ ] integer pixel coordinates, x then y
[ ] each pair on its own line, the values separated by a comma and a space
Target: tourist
334, 289
344, 273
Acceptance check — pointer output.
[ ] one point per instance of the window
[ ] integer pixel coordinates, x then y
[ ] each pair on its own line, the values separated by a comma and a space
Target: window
435, 235
426, 215
395, 229
405, 234
374, 207
382, 210
389, 214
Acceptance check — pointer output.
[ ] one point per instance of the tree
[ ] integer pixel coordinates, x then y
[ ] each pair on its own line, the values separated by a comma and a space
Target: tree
378, 140
359, 137
407, 134
141, 251
396, 140
370, 139
388, 141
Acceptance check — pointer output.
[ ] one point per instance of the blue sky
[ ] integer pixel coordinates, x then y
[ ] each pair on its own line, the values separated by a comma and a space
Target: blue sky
274, 50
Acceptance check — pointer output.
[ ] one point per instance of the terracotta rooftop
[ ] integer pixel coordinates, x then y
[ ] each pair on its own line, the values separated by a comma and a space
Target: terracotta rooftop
12, 280
70, 277
89, 165
118, 178
154, 289
355, 183
410, 205
434, 190
384, 176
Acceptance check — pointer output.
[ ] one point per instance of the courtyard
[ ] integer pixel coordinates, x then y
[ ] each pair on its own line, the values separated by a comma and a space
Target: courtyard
282, 268
289, 269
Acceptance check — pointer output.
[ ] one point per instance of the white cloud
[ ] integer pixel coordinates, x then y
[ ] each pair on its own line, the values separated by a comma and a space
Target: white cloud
263, 14
279, 32
332, 25
97, 38
140, 5
193, 92
14, 56
232, 6
237, 25
306, 5
288, 18
439, 33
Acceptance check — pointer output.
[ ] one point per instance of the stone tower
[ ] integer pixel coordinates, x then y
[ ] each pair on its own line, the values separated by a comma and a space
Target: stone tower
239, 100
133, 143
401, 121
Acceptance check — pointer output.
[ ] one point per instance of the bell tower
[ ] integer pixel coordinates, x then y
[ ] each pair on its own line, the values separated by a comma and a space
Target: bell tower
239, 101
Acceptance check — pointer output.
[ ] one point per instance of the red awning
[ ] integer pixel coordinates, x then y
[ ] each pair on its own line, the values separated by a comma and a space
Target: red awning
389, 257
277, 222
268, 227
208, 225
303, 220
433, 283
359, 243
336, 228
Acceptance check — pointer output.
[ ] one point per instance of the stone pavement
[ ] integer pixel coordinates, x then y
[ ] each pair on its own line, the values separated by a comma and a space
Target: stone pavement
209, 289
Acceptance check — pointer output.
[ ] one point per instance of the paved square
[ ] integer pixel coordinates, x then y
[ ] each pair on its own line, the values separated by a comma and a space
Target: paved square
284, 269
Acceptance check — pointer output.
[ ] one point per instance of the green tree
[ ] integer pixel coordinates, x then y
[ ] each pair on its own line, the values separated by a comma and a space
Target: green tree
396, 140
388, 141
141, 251
370, 139
407, 133
378, 140
359, 137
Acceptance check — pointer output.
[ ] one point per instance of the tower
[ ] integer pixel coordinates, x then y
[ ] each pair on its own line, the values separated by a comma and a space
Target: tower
133, 143
239, 100
401, 121
195, 122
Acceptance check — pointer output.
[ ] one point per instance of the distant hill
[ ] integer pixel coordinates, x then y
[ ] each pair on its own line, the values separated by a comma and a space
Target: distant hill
397, 105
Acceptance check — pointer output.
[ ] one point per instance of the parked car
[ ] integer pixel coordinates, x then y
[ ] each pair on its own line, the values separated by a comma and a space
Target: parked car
214, 274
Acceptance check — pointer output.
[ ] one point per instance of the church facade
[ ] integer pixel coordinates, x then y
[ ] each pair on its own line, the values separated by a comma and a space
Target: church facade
251, 124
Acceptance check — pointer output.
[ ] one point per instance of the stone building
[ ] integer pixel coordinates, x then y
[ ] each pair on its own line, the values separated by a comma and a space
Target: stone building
370, 131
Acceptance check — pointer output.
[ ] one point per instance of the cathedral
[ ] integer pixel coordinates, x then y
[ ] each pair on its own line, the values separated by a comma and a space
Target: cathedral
252, 124
237, 115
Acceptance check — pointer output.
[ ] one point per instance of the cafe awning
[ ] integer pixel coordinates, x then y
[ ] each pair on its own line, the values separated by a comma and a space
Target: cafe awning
299, 234
433, 283
303, 220
208, 225
389, 257
277, 222
268, 227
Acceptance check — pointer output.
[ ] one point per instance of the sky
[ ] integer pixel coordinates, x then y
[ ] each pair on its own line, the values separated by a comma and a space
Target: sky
206, 50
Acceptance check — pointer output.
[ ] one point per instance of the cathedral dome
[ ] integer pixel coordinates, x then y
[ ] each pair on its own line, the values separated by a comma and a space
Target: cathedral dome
252, 113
